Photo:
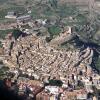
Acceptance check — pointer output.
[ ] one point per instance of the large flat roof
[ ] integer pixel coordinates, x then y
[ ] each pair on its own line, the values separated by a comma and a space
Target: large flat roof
23, 17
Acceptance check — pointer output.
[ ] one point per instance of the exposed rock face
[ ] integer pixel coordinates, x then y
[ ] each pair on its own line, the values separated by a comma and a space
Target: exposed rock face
33, 55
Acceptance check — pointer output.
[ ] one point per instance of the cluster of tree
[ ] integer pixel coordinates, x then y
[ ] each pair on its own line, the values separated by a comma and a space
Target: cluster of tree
87, 31
17, 33
53, 82
53, 3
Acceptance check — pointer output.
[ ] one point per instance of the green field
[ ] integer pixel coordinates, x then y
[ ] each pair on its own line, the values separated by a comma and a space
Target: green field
19, 9
9, 5
3, 33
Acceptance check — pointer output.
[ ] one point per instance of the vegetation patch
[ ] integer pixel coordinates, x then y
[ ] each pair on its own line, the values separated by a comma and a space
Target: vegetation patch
16, 33
54, 30
55, 82
3, 71
4, 33
97, 63
0, 44
17, 9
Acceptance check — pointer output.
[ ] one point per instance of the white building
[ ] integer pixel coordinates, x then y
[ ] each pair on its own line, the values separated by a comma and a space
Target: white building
52, 89
24, 18
11, 15
81, 96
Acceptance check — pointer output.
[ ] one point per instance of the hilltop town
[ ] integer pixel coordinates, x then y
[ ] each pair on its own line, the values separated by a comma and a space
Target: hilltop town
33, 56
50, 53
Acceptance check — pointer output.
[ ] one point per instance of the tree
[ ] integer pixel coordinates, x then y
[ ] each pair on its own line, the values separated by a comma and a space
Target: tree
53, 3
55, 82
16, 33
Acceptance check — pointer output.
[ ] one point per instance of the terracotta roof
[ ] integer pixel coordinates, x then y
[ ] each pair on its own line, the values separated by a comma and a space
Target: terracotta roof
34, 82
1, 51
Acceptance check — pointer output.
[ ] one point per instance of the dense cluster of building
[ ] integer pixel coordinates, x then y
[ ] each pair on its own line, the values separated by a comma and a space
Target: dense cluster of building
34, 62
34, 57
36, 90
